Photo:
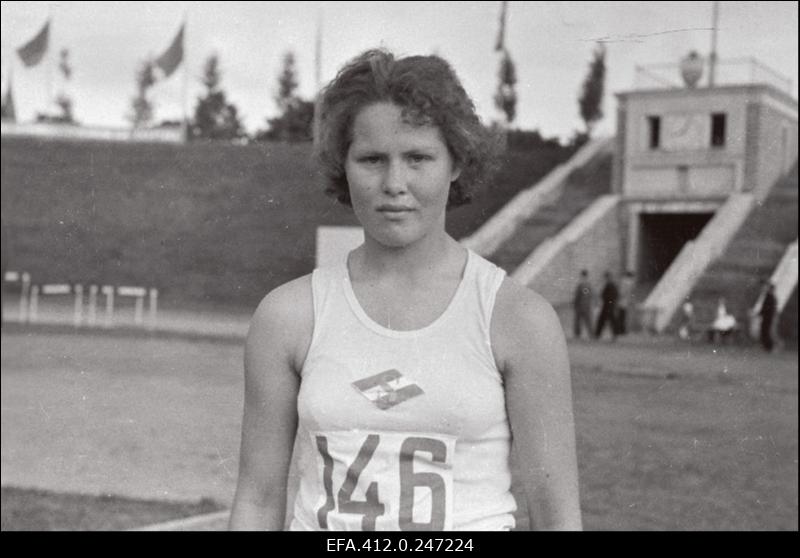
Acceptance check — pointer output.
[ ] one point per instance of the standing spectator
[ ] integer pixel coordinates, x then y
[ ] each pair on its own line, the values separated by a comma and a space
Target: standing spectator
608, 310
5, 255
625, 303
582, 303
769, 307
724, 324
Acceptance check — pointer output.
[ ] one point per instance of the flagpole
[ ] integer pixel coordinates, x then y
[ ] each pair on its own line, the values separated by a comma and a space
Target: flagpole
185, 88
317, 77
50, 58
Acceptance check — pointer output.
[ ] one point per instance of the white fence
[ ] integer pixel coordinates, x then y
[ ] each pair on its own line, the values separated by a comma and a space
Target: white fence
65, 302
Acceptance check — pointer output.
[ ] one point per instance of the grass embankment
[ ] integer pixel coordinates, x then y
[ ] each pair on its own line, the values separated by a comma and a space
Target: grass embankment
206, 224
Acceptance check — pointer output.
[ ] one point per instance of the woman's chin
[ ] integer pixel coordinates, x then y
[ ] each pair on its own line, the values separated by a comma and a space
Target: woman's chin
396, 238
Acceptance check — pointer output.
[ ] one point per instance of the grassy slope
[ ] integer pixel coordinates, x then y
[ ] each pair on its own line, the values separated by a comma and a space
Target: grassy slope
205, 223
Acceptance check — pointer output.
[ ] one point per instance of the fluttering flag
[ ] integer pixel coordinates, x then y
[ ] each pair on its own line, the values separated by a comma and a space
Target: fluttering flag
9, 112
501, 35
172, 57
32, 52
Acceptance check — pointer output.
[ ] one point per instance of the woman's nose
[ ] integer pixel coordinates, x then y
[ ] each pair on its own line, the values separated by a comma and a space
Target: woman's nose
395, 179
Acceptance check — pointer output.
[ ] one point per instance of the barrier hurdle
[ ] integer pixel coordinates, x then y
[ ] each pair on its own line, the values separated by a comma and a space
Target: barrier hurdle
31, 295
24, 279
138, 293
56, 289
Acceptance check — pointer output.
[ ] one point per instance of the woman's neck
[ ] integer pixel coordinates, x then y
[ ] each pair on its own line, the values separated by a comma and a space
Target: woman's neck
412, 262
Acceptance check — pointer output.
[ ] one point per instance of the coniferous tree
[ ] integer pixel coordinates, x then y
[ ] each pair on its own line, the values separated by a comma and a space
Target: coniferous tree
296, 118
64, 100
141, 106
214, 117
506, 97
591, 99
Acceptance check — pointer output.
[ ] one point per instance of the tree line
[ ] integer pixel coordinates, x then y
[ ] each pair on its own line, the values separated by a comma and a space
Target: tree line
216, 118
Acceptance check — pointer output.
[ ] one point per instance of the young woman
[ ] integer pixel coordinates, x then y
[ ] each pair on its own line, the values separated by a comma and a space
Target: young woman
406, 374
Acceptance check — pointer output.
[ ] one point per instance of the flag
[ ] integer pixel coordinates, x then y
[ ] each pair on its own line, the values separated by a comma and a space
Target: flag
32, 52
9, 112
173, 56
501, 35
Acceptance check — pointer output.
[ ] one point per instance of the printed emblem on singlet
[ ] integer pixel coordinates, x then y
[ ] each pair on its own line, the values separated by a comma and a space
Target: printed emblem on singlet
384, 481
387, 389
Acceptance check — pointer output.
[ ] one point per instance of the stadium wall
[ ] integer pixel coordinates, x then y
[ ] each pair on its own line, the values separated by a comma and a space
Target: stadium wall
593, 241
775, 144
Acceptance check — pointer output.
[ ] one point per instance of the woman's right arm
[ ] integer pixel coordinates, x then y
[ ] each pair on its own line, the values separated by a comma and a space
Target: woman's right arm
277, 341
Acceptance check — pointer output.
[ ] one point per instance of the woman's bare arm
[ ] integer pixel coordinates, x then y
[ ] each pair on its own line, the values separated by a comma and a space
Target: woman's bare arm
278, 339
529, 346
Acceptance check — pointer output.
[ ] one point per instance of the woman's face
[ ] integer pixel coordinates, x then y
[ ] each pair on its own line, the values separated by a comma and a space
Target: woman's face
399, 176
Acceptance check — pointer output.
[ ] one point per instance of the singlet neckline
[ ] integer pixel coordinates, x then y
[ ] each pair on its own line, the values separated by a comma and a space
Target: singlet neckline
371, 324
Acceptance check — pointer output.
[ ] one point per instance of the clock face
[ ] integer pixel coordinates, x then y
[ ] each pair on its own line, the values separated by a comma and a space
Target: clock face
685, 132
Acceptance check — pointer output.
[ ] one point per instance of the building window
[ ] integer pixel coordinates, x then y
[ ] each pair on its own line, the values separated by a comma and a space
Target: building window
654, 130
718, 129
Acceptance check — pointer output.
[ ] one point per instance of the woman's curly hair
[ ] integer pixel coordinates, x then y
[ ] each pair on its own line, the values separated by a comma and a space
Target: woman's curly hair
429, 93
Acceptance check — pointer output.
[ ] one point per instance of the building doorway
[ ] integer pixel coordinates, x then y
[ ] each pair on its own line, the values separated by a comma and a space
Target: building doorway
661, 237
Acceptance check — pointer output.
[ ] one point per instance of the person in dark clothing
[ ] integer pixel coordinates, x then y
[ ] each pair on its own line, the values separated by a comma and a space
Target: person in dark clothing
608, 311
582, 303
625, 302
5, 258
769, 307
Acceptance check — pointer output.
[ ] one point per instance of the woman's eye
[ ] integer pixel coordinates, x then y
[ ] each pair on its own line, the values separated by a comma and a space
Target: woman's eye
418, 158
371, 159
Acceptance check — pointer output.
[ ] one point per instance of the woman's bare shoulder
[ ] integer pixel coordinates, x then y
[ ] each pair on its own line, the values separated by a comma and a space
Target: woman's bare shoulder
517, 305
523, 322
285, 317
285, 300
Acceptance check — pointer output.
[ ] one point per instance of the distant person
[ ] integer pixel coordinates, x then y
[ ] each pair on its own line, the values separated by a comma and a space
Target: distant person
4, 255
582, 305
608, 310
724, 324
403, 371
625, 303
686, 325
769, 307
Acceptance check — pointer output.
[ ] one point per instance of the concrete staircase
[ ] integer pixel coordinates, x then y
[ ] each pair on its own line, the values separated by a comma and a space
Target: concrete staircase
581, 188
545, 209
752, 255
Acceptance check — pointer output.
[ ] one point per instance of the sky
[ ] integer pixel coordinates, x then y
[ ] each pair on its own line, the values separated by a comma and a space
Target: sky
551, 44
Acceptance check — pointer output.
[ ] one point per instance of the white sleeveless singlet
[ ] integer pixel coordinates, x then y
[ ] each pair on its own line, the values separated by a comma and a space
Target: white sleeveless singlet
403, 430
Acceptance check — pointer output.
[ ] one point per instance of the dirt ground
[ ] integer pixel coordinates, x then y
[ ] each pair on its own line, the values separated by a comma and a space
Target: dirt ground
670, 436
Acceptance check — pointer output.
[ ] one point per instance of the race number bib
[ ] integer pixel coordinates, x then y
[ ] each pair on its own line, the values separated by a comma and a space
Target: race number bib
384, 481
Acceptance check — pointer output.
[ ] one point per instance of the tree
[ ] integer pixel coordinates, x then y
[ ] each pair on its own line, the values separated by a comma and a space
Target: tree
141, 106
214, 117
296, 119
64, 100
287, 83
591, 99
505, 98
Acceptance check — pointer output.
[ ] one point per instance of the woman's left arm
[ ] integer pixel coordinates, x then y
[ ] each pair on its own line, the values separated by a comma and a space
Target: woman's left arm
531, 352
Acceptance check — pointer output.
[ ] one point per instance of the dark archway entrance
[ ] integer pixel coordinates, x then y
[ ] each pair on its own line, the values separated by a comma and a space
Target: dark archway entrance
661, 237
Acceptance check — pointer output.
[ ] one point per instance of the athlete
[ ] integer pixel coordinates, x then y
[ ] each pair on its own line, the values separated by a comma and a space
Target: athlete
398, 384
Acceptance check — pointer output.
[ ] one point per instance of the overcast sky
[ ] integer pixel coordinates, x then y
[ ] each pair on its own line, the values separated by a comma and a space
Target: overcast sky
550, 42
